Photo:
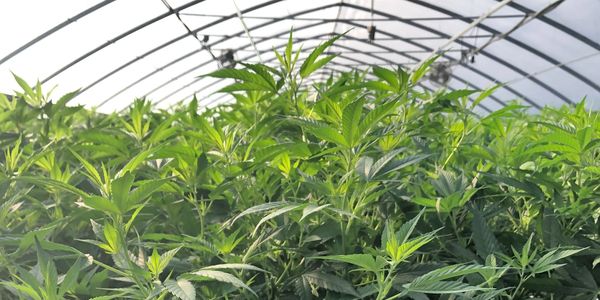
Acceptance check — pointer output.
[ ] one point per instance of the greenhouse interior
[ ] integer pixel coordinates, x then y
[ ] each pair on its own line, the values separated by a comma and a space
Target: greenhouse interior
315, 149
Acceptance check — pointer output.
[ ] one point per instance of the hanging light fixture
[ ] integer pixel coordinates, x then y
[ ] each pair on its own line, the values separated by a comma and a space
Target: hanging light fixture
467, 56
227, 59
372, 28
464, 56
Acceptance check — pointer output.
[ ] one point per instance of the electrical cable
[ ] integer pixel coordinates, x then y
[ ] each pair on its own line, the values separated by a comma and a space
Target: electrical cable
191, 33
506, 83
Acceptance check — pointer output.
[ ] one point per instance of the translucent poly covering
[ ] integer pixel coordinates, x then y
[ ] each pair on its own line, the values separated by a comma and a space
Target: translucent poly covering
545, 52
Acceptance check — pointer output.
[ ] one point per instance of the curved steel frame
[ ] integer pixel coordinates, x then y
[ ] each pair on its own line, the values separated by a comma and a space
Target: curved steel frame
121, 36
491, 56
546, 20
55, 29
486, 76
518, 43
351, 38
463, 43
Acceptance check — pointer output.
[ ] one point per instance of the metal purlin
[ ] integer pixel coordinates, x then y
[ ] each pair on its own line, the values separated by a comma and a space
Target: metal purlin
186, 72
392, 51
203, 64
342, 56
488, 77
519, 44
121, 36
55, 29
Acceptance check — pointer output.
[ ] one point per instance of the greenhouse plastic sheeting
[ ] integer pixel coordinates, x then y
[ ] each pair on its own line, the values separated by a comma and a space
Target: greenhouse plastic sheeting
544, 52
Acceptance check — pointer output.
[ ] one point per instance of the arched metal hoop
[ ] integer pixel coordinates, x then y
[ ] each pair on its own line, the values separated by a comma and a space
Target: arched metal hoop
412, 42
423, 27
391, 50
411, 22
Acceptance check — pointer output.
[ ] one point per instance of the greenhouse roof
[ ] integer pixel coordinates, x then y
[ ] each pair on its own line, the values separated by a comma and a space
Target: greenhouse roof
544, 52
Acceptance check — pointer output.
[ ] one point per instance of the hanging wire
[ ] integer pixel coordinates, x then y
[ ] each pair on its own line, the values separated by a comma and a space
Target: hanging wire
190, 32
542, 71
239, 13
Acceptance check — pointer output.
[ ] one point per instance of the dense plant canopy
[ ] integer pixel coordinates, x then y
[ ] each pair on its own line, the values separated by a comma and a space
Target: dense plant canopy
346, 189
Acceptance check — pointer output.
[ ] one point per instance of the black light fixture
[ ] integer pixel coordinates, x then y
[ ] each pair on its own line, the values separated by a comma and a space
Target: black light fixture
227, 59
372, 29
467, 56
